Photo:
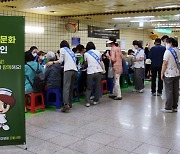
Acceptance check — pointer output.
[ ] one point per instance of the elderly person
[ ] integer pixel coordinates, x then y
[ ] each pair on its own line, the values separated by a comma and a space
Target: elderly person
53, 72
116, 57
170, 74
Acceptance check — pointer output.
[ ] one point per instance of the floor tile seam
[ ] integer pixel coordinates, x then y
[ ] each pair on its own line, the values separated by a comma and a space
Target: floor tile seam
137, 147
98, 142
159, 146
63, 145
118, 148
98, 149
135, 140
169, 151
83, 140
19, 146
48, 130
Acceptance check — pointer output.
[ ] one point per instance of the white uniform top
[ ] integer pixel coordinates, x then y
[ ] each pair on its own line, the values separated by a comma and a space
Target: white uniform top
3, 119
171, 70
93, 65
68, 61
139, 64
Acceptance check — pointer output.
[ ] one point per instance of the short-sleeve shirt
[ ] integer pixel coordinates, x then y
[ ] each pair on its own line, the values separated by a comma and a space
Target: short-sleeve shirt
65, 57
93, 65
171, 70
139, 64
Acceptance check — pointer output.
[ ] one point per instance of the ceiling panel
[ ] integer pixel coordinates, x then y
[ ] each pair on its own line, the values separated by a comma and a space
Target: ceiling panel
97, 10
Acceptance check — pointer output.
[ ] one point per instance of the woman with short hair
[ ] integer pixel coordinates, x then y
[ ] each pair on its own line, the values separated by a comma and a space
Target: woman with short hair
170, 74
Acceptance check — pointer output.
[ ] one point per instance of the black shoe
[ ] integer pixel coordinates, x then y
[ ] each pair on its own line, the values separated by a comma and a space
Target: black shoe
112, 96
118, 98
175, 110
70, 106
153, 94
65, 109
159, 94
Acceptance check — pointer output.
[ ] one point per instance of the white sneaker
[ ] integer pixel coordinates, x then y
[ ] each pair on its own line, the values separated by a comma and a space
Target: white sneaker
141, 91
166, 111
95, 103
92, 97
5, 127
87, 104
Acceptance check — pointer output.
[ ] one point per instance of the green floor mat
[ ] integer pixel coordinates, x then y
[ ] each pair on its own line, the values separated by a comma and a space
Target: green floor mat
82, 99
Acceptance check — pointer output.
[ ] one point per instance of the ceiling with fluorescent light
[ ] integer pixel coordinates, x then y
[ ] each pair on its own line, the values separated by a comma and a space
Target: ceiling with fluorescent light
131, 13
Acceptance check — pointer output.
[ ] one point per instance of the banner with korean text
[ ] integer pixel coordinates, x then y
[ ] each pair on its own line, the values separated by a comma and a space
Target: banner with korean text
12, 116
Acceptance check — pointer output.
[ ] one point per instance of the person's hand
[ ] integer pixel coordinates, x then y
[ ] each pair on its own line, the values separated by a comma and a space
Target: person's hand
49, 63
162, 76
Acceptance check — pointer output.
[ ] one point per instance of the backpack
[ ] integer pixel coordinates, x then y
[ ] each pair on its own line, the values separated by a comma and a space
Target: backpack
39, 83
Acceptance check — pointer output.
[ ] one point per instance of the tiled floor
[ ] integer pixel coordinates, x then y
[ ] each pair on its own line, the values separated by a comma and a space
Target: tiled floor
134, 125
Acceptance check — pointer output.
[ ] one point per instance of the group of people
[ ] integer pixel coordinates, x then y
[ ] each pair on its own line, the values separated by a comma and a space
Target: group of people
67, 65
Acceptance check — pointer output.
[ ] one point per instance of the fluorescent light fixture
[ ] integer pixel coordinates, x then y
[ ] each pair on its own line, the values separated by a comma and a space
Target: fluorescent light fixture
168, 6
177, 15
39, 8
141, 24
139, 21
34, 29
141, 17
122, 18
110, 29
156, 20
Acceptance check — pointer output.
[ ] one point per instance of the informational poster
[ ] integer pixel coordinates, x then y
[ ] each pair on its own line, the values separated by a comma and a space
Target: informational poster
12, 116
123, 44
100, 32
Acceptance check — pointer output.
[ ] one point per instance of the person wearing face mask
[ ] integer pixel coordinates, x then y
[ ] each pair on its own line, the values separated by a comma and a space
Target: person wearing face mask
170, 75
40, 58
164, 40
30, 67
34, 51
138, 67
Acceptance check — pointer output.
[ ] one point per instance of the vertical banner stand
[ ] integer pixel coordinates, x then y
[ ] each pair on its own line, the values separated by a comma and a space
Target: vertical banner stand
12, 115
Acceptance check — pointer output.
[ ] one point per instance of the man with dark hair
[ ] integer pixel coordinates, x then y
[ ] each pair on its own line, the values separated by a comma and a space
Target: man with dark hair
156, 56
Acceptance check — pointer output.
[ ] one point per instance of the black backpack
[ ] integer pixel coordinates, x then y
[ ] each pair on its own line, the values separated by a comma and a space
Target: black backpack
39, 83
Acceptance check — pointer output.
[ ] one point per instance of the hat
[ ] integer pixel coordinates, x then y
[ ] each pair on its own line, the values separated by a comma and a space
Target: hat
7, 97
112, 39
109, 41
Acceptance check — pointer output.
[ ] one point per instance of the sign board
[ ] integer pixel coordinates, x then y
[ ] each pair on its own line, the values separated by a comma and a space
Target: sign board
75, 41
164, 30
100, 32
12, 116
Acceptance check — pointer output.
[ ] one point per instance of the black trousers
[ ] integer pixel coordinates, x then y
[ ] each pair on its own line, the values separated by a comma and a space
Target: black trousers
156, 71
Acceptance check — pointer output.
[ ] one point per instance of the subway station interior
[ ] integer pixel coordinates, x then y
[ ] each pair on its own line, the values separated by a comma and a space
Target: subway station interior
101, 119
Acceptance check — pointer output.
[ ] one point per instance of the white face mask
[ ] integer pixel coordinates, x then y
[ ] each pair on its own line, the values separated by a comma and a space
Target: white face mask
41, 57
168, 45
34, 54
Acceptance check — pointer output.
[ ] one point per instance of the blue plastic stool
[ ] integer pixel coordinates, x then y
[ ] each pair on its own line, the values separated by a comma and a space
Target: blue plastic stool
58, 101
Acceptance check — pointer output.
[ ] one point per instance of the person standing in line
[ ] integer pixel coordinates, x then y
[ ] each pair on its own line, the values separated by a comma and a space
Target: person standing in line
138, 67
116, 58
70, 72
164, 40
94, 72
156, 55
170, 74
148, 65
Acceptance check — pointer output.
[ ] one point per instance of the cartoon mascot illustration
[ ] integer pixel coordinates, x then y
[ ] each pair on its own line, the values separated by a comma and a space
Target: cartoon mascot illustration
7, 101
